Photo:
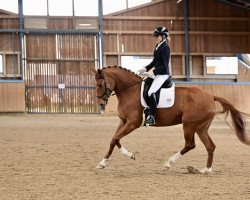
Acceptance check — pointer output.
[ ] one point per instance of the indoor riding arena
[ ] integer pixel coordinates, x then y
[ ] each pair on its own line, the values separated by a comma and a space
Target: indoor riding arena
56, 141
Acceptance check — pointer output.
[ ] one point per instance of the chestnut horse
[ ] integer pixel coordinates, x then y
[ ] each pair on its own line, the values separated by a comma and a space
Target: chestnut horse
193, 107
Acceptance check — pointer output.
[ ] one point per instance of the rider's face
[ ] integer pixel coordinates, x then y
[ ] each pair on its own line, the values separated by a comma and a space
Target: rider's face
158, 39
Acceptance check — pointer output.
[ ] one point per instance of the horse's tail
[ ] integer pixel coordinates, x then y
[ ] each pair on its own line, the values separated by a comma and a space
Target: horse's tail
237, 119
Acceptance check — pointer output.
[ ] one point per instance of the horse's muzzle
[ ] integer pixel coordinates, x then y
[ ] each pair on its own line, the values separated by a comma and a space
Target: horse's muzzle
102, 108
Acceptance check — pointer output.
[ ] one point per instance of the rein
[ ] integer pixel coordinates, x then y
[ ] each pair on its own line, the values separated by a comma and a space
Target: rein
126, 88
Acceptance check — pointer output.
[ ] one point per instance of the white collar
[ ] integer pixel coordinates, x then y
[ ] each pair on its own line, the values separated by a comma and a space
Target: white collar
159, 44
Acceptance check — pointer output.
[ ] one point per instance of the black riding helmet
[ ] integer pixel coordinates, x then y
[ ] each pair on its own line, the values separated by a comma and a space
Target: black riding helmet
161, 30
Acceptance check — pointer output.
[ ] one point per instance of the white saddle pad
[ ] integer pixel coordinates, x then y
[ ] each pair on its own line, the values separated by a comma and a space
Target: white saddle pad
167, 97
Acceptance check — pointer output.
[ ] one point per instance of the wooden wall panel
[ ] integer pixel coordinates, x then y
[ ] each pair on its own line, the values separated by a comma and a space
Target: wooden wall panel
211, 8
12, 64
12, 97
177, 43
223, 44
76, 46
35, 23
110, 43
112, 60
77, 68
197, 43
60, 23
197, 65
41, 46
137, 43
220, 25
176, 65
141, 24
9, 23
9, 42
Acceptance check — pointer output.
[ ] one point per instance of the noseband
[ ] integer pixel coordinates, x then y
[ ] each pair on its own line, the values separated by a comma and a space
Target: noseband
107, 91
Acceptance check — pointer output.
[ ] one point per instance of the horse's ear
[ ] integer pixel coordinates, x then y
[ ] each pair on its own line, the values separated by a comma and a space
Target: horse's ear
99, 71
94, 70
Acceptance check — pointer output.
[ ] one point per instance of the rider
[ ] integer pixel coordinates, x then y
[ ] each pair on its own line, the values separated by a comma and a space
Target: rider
160, 73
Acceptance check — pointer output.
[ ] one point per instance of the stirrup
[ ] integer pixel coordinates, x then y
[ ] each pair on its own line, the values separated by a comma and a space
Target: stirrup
150, 121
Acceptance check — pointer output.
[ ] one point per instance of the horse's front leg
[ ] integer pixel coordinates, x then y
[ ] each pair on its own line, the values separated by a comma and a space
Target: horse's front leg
125, 152
123, 130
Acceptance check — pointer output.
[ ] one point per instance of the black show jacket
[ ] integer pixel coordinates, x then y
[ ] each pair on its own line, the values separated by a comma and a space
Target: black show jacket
161, 60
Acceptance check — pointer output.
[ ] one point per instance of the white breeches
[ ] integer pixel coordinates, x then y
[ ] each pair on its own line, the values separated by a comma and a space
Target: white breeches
157, 83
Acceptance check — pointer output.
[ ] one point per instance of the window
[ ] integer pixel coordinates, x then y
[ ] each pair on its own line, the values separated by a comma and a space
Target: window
37, 7
9, 66
65, 7
60, 8
110, 6
10, 5
132, 3
1, 64
222, 65
83, 8
134, 63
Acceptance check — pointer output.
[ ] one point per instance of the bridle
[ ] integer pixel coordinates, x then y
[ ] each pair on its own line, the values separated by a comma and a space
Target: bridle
107, 92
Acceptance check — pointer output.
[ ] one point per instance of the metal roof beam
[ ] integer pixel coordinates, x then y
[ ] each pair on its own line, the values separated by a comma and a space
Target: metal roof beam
245, 4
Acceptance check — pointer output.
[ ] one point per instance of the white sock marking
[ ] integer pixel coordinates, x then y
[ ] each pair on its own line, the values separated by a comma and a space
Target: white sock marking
171, 160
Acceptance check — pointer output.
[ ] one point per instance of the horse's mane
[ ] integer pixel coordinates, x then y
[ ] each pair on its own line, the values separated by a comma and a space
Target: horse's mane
121, 68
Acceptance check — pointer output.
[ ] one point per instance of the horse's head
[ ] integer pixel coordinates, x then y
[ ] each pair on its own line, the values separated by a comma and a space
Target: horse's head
104, 88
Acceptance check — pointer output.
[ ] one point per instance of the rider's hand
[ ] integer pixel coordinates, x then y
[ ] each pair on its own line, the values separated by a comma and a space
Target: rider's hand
149, 74
143, 70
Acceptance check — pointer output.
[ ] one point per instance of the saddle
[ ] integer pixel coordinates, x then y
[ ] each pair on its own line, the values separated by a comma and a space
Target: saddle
165, 96
148, 83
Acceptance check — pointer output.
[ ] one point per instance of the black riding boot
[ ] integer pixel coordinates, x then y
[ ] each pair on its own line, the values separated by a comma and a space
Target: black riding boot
152, 109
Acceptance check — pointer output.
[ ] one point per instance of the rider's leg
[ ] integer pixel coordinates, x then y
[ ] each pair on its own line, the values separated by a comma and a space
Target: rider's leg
157, 83
152, 109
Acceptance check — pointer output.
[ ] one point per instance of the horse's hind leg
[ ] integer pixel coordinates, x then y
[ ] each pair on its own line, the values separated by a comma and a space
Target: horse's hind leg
189, 132
210, 146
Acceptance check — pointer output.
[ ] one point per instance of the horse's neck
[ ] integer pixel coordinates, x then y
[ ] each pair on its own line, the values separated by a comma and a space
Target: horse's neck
127, 89
123, 81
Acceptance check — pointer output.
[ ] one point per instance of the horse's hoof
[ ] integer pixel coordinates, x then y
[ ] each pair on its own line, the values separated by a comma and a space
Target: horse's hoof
206, 170
103, 163
165, 168
132, 156
192, 170
100, 167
